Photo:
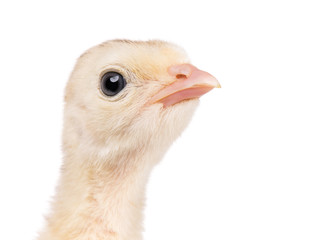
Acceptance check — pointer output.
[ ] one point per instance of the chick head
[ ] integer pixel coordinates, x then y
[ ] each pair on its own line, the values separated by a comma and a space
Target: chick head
127, 95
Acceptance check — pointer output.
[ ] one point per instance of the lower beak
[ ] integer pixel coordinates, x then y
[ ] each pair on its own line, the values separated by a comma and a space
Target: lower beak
190, 83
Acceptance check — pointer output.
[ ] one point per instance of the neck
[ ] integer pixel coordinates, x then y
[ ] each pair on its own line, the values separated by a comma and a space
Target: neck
99, 200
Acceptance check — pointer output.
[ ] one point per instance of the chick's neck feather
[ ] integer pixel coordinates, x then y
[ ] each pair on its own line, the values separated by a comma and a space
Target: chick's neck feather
101, 195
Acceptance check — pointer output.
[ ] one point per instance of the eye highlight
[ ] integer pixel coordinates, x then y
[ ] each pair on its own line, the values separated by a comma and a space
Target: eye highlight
112, 83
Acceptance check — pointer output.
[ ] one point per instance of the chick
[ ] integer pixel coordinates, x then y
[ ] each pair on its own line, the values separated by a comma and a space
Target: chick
125, 103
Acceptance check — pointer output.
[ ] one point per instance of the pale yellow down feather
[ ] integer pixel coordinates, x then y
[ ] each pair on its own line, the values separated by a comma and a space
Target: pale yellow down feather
110, 144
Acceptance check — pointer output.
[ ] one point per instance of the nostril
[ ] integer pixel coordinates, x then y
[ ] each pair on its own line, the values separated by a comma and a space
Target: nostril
181, 76
181, 71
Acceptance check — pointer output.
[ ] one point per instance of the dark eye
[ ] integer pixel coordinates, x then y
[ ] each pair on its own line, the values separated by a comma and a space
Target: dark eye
112, 83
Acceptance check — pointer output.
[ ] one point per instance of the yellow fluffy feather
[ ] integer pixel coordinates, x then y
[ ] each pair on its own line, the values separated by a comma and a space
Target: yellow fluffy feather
110, 144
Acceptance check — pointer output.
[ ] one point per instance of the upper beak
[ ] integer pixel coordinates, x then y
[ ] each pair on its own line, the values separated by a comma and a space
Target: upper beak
190, 83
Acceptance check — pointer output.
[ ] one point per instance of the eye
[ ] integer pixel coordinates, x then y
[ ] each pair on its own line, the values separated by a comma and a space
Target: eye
112, 83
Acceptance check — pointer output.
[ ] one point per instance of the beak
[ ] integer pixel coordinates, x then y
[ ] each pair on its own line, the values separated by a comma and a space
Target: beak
190, 83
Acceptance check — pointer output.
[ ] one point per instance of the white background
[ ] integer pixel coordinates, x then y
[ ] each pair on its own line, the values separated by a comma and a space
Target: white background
246, 167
